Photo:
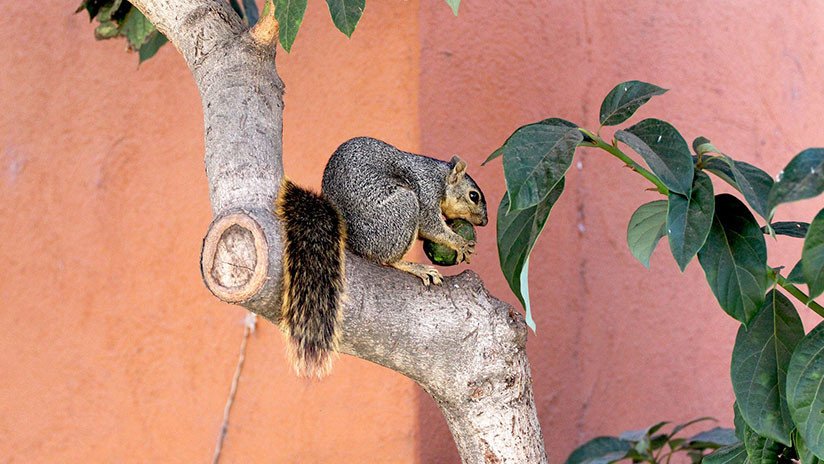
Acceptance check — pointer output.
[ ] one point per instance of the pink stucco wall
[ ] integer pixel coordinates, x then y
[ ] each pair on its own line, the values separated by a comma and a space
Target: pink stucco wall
111, 349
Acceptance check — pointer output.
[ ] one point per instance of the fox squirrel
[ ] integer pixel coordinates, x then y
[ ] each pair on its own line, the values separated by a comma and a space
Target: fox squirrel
377, 200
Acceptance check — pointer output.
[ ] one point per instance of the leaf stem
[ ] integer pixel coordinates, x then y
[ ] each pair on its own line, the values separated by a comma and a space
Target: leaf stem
798, 294
616, 152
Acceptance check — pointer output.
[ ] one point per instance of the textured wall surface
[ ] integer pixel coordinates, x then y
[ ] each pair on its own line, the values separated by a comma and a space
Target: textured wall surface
112, 350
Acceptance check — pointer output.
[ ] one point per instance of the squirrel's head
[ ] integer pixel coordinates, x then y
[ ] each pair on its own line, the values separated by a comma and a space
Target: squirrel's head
463, 198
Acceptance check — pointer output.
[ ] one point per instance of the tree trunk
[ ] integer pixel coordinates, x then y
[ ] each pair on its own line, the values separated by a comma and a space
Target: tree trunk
463, 346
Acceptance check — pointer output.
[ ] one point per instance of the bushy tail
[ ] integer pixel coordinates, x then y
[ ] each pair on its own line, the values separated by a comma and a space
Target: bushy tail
313, 278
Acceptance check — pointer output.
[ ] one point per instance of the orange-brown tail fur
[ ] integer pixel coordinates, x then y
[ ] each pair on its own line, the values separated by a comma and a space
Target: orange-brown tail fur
313, 278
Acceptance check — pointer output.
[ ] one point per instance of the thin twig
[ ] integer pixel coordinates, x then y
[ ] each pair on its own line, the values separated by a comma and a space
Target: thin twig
248, 328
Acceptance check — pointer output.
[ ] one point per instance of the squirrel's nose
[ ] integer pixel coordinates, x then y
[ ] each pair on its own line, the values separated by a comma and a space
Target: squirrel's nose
484, 221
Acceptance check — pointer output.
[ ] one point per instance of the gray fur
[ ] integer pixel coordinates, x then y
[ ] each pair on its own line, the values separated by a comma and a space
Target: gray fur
388, 197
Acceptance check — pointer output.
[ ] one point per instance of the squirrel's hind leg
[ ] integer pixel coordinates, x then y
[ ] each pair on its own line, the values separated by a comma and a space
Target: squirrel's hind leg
428, 274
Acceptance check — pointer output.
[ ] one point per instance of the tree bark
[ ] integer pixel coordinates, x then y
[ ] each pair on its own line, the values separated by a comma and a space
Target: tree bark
462, 345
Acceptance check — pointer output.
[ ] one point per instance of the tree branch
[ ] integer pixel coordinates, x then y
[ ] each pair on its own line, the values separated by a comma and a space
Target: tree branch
463, 346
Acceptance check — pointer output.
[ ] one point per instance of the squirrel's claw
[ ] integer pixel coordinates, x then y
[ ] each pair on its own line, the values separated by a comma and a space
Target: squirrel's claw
465, 251
428, 274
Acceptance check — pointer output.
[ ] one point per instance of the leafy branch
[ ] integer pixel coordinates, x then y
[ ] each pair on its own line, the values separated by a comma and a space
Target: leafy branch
775, 364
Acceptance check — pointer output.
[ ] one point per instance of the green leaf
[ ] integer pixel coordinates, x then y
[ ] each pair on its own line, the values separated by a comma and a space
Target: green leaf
251, 12
755, 184
551, 122
236, 6
622, 101
759, 367
720, 166
517, 233
106, 30
738, 420
289, 14
664, 150
802, 178
136, 28
734, 454
454, 4
689, 219
601, 450
715, 437
812, 256
346, 14
640, 434
150, 48
703, 146
804, 453
788, 228
734, 259
681, 427
536, 158
796, 275
805, 389
760, 449
646, 227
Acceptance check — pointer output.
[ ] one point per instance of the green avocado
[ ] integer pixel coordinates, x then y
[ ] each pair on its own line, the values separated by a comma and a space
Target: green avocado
443, 255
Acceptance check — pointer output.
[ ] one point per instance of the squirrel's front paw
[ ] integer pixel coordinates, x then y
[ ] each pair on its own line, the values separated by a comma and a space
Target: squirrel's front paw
465, 250
428, 274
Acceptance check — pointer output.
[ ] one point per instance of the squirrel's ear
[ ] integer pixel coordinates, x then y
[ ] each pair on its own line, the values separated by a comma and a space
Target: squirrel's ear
458, 170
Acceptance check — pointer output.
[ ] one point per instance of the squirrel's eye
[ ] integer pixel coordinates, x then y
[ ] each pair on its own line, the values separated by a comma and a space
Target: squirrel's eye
473, 195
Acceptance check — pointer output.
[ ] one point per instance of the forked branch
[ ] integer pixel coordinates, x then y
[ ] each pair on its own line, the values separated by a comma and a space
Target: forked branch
462, 345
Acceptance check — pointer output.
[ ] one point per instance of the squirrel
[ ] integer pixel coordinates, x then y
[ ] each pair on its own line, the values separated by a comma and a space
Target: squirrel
375, 200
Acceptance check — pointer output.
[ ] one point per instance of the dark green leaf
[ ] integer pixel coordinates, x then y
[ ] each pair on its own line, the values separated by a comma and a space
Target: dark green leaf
637, 435
646, 227
796, 275
689, 219
601, 450
92, 6
760, 449
681, 427
251, 12
734, 259
150, 48
805, 389
802, 178
346, 14
289, 14
454, 4
658, 441
622, 101
664, 150
755, 184
136, 28
536, 157
720, 166
788, 228
550, 122
236, 6
495, 154
759, 367
715, 437
517, 233
812, 256
735, 454
738, 420
804, 453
